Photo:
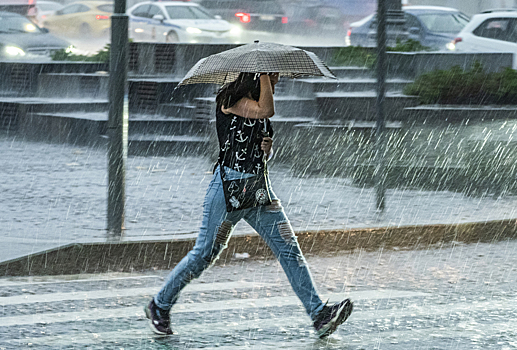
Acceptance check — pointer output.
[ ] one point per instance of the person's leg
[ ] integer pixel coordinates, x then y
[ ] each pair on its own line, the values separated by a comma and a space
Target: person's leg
274, 227
214, 233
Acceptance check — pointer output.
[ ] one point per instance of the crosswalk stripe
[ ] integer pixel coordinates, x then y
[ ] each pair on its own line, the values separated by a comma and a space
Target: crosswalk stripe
120, 293
366, 338
37, 280
227, 304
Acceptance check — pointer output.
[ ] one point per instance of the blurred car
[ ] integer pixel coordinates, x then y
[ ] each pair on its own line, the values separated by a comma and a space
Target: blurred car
314, 18
177, 21
19, 37
432, 26
264, 15
83, 18
23, 7
489, 32
509, 9
358, 31
45, 8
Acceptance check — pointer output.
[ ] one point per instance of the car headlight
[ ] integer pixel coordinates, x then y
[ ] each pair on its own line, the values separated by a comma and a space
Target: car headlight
193, 30
235, 30
451, 46
14, 51
29, 27
71, 49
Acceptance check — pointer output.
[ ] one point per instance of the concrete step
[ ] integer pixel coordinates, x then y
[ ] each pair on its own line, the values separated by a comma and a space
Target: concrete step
164, 145
361, 105
153, 88
77, 128
309, 87
352, 72
146, 94
22, 78
14, 111
293, 106
73, 85
169, 126
176, 110
440, 113
146, 136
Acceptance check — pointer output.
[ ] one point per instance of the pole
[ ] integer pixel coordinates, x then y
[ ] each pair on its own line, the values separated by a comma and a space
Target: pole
117, 121
380, 190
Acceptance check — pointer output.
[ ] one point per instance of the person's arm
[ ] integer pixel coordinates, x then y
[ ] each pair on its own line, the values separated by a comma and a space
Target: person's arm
264, 108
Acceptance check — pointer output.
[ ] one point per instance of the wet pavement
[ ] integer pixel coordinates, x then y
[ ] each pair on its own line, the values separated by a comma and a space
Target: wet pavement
55, 194
443, 297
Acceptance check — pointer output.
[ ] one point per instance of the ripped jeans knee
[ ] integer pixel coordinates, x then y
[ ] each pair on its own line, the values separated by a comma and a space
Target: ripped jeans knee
222, 237
274, 207
287, 233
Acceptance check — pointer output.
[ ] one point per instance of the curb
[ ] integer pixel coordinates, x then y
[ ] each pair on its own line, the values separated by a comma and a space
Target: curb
164, 255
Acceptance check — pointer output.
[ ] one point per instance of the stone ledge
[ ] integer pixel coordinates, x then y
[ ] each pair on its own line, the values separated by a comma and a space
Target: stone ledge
165, 254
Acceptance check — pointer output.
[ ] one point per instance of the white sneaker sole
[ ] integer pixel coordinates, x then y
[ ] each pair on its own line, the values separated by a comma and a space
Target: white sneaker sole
341, 316
151, 325
155, 331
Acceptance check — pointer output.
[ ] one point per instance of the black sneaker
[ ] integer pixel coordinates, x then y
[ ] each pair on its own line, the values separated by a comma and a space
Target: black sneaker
159, 319
330, 317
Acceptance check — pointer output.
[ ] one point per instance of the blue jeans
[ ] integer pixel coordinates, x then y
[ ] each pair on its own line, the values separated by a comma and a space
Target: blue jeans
215, 231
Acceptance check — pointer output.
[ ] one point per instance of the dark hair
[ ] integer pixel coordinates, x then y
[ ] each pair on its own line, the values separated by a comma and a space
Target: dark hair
245, 84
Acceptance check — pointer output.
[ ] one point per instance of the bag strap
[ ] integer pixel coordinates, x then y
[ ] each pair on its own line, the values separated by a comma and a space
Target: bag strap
222, 172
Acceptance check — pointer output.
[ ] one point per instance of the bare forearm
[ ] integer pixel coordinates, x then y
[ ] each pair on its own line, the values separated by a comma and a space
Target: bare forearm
264, 108
265, 102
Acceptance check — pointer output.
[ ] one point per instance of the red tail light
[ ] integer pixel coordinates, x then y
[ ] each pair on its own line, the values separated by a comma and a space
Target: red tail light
285, 20
457, 40
102, 17
349, 32
243, 17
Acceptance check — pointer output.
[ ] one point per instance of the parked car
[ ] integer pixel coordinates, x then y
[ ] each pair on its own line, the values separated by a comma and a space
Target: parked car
264, 15
314, 18
489, 32
177, 21
83, 18
45, 8
19, 37
432, 26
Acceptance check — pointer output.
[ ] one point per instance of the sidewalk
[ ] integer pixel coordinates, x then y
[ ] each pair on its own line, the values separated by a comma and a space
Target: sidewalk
457, 297
55, 195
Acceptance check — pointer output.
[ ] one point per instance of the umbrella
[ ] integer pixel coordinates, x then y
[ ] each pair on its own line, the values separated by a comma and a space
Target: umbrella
225, 66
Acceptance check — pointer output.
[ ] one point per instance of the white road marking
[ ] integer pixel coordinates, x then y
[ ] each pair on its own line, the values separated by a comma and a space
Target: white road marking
461, 330
228, 304
36, 280
120, 293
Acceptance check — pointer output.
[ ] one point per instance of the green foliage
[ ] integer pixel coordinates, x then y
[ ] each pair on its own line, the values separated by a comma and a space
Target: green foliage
357, 56
409, 45
101, 56
472, 86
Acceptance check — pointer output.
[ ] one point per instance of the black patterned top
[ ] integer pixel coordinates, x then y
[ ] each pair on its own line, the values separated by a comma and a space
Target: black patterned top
239, 142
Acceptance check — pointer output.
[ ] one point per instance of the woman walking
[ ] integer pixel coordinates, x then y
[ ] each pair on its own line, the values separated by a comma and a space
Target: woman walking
244, 130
